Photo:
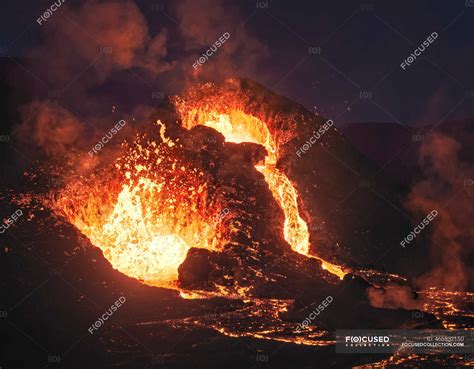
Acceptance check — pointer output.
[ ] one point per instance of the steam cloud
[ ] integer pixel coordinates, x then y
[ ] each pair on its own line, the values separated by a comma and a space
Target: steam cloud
54, 128
201, 23
445, 188
394, 297
85, 48
110, 35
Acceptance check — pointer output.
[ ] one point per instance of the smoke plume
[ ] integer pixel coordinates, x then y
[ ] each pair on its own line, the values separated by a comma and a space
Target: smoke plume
394, 296
444, 187
87, 50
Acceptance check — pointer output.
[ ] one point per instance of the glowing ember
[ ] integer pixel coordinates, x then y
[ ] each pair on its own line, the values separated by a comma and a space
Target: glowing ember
149, 216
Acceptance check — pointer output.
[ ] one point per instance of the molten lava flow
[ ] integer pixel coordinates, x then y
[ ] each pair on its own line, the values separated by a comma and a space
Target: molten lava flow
295, 229
135, 244
147, 214
237, 126
149, 207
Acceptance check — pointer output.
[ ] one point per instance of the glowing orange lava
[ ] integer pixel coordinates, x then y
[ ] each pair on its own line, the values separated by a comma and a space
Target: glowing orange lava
237, 126
152, 205
146, 220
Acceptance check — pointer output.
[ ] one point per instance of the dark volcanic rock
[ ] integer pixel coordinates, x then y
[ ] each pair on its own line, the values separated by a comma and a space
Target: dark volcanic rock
351, 295
354, 213
196, 268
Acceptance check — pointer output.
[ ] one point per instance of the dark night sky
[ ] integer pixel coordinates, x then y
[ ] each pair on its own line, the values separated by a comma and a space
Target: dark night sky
359, 46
